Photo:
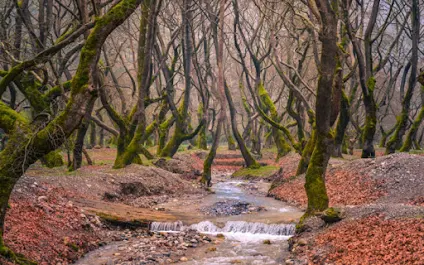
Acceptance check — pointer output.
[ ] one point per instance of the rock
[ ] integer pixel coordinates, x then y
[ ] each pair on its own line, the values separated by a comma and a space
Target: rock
331, 215
302, 242
211, 249
220, 235
183, 259
289, 262
267, 242
42, 198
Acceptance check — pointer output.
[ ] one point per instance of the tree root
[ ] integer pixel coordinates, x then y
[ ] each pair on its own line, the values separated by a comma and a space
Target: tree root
15, 257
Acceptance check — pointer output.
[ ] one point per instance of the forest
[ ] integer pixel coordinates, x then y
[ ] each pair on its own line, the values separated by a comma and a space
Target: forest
200, 132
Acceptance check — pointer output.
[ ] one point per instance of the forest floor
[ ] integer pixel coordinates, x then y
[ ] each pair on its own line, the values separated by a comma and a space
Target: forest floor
382, 204
56, 216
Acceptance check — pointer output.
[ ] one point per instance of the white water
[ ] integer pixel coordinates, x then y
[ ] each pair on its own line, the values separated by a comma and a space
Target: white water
240, 231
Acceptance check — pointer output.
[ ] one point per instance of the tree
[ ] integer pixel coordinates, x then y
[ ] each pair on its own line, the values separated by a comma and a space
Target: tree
315, 174
28, 144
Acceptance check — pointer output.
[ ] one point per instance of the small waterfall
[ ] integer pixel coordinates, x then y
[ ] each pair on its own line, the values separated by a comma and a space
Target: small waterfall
166, 226
259, 228
230, 227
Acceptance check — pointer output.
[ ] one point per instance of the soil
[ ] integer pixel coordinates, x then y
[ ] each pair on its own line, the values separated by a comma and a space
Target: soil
381, 204
55, 216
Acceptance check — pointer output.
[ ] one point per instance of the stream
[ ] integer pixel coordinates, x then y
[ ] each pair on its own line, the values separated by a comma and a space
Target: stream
257, 237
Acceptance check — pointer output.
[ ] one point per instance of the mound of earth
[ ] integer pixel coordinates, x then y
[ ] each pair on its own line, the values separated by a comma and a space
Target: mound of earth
397, 178
135, 185
377, 239
380, 200
180, 164
44, 225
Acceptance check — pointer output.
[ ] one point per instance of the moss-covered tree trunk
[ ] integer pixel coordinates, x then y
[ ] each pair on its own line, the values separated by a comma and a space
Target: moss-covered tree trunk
79, 140
181, 115
307, 153
248, 158
201, 141
315, 174
395, 141
145, 52
412, 134
368, 132
230, 139
207, 164
93, 135
341, 126
283, 147
385, 135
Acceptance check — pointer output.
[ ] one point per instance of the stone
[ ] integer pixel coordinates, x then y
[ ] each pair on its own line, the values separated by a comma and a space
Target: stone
267, 242
302, 242
331, 215
42, 198
183, 259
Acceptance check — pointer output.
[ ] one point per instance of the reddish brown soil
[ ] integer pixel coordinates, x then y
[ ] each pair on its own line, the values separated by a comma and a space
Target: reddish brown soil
372, 240
47, 228
343, 188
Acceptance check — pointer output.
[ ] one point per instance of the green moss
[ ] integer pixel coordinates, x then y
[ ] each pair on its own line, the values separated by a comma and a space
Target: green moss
282, 146
306, 154
15, 258
73, 246
8, 118
53, 159
314, 183
407, 145
261, 172
331, 215
371, 84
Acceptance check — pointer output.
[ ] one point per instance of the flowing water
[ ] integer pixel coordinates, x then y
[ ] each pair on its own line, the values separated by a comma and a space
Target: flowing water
250, 239
258, 238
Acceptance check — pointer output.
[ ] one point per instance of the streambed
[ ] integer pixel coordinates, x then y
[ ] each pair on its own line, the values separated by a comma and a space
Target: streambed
249, 237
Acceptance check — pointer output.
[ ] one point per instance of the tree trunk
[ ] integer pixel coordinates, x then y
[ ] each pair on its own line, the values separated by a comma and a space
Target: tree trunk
395, 141
368, 132
412, 134
341, 126
93, 134
315, 174
228, 134
79, 141
248, 159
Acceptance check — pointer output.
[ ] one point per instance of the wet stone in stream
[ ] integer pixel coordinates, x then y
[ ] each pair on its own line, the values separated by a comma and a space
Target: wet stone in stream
231, 207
